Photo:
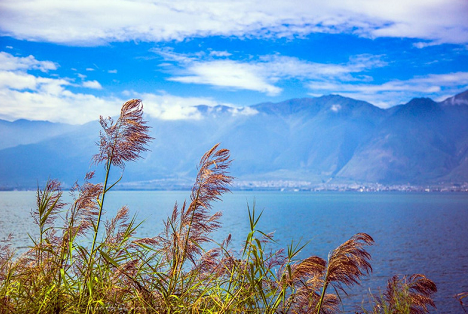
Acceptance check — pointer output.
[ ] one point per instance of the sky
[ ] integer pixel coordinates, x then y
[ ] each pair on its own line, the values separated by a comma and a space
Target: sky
70, 61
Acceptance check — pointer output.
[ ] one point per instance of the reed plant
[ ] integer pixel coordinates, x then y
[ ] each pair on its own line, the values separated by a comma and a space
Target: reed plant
82, 262
407, 295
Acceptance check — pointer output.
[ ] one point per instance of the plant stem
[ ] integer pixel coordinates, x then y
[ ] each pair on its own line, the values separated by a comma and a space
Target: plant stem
324, 289
101, 206
96, 229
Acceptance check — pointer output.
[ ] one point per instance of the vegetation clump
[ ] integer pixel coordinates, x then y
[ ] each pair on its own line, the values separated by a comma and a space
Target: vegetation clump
87, 265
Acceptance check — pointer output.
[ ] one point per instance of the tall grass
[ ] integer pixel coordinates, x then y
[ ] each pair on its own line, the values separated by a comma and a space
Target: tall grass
411, 294
89, 264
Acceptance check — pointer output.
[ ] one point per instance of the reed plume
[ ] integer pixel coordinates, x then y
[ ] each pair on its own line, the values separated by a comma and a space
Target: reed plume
189, 228
84, 210
346, 264
311, 267
125, 139
49, 204
407, 295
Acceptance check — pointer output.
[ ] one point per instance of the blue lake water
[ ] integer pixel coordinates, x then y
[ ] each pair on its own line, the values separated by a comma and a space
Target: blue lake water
414, 232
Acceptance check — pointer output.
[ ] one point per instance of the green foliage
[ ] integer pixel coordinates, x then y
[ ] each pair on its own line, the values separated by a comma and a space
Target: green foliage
91, 265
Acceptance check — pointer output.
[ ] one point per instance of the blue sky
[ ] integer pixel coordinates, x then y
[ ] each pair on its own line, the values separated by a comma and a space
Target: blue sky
70, 61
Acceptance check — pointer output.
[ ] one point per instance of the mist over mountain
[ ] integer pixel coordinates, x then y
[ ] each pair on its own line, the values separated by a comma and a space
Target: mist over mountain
325, 139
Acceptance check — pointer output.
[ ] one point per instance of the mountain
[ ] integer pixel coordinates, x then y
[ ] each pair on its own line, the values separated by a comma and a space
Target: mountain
22, 132
65, 156
410, 145
457, 100
324, 139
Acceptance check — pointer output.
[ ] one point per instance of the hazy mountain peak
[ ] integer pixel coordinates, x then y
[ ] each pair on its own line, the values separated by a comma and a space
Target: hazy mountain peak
335, 97
420, 101
283, 108
26, 121
328, 103
457, 100
223, 110
418, 106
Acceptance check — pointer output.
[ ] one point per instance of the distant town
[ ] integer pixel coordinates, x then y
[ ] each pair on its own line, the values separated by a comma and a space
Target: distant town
280, 185
297, 186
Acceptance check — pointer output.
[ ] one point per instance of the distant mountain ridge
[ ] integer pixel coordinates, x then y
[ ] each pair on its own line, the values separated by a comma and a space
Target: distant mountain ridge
23, 131
324, 139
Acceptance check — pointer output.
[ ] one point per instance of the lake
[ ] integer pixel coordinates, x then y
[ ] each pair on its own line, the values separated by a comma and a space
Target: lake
414, 232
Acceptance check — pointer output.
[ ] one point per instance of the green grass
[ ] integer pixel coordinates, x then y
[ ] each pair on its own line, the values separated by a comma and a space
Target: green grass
172, 272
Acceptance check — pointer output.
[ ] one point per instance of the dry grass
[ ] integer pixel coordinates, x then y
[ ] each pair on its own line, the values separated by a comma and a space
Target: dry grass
86, 264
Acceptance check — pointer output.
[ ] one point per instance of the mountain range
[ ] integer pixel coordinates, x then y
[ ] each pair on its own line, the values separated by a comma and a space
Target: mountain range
314, 140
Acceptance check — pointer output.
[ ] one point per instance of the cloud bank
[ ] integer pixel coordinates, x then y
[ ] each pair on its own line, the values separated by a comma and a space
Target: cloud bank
437, 86
262, 73
26, 95
90, 22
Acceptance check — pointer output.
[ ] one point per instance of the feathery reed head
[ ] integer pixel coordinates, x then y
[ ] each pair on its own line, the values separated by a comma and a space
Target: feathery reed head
116, 226
125, 139
306, 298
190, 225
414, 293
48, 203
212, 179
86, 204
310, 267
350, 260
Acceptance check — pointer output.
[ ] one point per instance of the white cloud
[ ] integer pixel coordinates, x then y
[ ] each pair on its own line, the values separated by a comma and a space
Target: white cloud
229, 74
9, 62
13, 74
25, 95
92, 84
18, 81
169, 107
220, 53
66, 107
245, 111
112, 71
397, 91
89, 69
67, 21
263, 73
335, 108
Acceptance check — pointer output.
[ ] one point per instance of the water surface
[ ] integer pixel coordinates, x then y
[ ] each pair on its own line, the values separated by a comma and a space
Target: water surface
414, 232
